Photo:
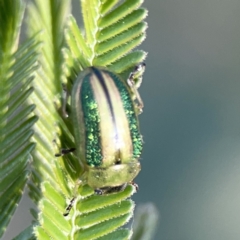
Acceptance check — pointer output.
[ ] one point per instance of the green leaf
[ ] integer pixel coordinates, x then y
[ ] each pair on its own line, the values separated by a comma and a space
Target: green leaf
98, 216
48, 18
50, 181
27, 234
17, 66
55, 181
112, 31
145, 222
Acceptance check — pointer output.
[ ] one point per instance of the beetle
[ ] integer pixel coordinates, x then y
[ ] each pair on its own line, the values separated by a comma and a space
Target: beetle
104, 114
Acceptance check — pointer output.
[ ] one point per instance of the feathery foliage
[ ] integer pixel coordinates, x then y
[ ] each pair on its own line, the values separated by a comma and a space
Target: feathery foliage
48, 18
57, 176
112, 29
17, 65
145, 222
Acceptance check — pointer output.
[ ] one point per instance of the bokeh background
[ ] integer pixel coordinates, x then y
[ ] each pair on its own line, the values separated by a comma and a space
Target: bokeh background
191, 120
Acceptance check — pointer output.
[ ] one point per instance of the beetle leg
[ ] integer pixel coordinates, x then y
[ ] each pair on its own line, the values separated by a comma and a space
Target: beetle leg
98, 191
137, 73
134, 80
69, 207
65, 151
135, 185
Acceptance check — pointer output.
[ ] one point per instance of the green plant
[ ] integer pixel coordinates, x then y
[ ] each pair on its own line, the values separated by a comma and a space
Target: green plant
112, 29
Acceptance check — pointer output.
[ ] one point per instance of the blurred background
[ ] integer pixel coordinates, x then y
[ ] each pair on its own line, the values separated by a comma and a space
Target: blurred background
191, 120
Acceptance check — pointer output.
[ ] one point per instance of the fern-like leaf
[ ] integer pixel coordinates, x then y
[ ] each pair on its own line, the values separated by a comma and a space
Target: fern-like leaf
27, 234
145, 222
48, 17
55, 180
17, 65
112, 30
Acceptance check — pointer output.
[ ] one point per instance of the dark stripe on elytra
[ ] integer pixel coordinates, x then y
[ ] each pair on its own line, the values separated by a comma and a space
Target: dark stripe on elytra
106, 92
